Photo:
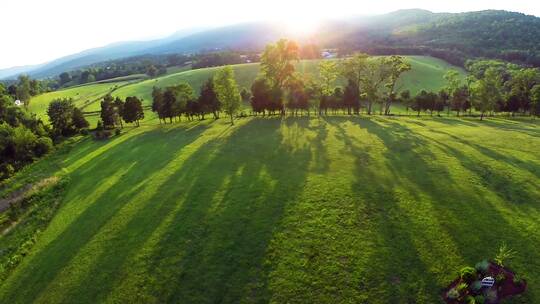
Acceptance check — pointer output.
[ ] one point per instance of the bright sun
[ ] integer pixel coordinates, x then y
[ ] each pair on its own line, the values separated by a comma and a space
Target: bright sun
300, 27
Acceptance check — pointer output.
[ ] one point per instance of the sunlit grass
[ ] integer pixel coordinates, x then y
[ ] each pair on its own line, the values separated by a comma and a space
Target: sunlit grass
298, 210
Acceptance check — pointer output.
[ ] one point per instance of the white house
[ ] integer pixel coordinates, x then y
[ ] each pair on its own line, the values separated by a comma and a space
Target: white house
18, 103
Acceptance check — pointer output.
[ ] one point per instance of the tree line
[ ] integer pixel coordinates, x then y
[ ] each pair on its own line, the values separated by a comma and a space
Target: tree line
23, 137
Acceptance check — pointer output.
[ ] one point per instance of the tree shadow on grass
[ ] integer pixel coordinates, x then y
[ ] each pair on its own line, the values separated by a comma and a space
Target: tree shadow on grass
471, 226
472, 222
125, 170
233, 197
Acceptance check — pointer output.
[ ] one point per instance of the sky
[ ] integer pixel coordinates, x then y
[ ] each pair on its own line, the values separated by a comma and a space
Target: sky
37, 31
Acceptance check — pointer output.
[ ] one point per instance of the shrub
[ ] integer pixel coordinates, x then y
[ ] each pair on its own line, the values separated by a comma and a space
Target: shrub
42, 146
453, 294
476, 286
462, 287
504, 255
117, 132
479, 299
482, 267
104, 134
470, 300
467, 274
85, 132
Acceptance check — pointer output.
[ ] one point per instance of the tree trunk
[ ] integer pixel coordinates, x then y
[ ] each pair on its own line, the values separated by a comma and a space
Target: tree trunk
232, 121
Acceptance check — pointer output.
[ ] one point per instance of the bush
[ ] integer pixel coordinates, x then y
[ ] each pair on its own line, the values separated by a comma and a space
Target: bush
476, 286
85, 132
479, 299
103, 134
470, 300
42, 146
453, 294
117, 132
491, 295
505, 254
462, 287
482, 267
6, 170
467, 274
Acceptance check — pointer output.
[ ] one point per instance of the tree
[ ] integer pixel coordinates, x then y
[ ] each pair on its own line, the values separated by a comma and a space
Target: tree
374, 76
394, 66
353, 70
453, 84
208, 100
328, 74
118, 111
23, 89
107, 111
79, 122
133, 110
277, 65
183, 93
157, 102
405, 99
151, 71
227, 91
65, 77
535, 100
351, 98
260, 95
459, 100
60, 112
486, 92
521, 84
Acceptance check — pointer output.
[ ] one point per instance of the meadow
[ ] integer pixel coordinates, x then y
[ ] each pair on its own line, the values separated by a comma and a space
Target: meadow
300, 210
427, 73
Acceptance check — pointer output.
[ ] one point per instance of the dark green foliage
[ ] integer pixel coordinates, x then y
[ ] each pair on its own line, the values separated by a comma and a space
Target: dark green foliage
453, 294
482, 267
479, 299
499, 278
476, 286
467, 274
108, 112
132, 110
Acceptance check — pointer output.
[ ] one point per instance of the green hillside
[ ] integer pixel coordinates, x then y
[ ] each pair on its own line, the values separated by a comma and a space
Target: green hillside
427, 73
294, 210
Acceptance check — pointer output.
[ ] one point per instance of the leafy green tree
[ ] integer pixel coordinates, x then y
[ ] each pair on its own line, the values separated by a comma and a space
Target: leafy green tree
227, 91
133, 110
151, 71
394, 67
183, 93
107, 111
453, 84
277, 65
157, 102
65, 77
328, 74
351, 98
353, 70
60, 112
405, 99
375, 75
79, 122
118, 111
535, 100
23, 89
260, 95
208, 100
487, 92
521, 84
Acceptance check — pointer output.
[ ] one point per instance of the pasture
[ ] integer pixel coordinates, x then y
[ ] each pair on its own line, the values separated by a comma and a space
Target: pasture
297, 210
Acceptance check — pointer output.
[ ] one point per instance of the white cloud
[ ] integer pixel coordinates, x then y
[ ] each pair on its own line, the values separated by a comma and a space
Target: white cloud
35, 31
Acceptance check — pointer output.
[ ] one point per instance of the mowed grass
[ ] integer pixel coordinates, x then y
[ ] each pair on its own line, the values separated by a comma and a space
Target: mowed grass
295, 210
84, 97
427, 73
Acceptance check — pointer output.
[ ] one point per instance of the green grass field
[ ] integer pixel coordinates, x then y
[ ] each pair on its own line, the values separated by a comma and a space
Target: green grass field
427, 73
294, 210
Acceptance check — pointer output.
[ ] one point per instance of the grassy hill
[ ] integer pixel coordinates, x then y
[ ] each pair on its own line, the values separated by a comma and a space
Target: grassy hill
427, 73
299, 210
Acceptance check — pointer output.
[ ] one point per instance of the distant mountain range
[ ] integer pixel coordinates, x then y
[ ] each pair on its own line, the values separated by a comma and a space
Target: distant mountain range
453, 37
